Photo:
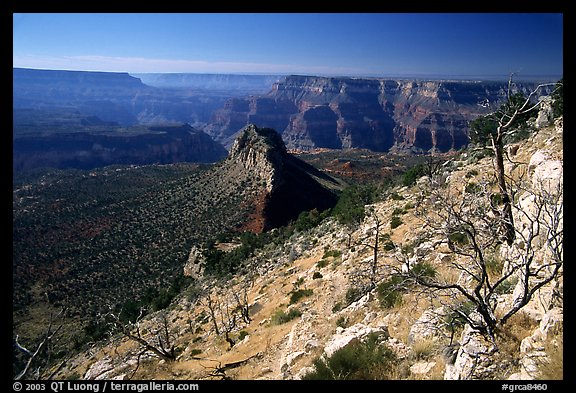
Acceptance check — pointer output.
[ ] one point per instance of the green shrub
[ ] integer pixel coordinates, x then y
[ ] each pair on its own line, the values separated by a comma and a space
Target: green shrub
350, 206
389, 245
281, 317
342, 322
454, 320
358, 360
322, 263
387, 242
354, 294
472, 188
395, 222
424, 269
332, 253
242, 335
459, 238
411, 175
299, 294
471, 173
506, 286
316, 275
494, 265
390, 291
396, 197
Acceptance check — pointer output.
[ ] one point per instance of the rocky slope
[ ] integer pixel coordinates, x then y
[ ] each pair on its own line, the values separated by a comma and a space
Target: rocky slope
330, 260
279, 185
77, 233
378, 114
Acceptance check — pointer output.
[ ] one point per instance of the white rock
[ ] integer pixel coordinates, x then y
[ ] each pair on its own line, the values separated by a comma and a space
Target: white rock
340, 340
548, 176
311, 344
303, 372
422, 367
292, 357
536, 159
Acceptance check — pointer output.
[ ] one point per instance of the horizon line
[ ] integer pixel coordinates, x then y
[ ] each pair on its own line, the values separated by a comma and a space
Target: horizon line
429, 76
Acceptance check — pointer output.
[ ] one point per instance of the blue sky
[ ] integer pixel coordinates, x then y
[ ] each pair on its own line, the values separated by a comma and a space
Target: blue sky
386, 44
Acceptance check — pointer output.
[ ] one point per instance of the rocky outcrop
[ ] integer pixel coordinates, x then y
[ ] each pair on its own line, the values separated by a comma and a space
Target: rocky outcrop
474, 358
282, 186
377, 114
194, 266
356, 332
533, 348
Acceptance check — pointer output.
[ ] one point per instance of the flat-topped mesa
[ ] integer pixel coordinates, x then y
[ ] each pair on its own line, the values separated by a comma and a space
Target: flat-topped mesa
61, 79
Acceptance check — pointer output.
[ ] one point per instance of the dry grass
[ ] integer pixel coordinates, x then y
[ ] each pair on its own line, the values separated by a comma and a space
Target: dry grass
553, 367
518, 327
424, 349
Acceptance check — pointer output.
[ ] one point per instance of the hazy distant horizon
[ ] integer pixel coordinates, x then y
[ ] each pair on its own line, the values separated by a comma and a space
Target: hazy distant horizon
501, 77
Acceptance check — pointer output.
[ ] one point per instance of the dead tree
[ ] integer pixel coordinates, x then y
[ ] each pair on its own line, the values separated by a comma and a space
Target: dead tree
219, 371
228, 322
227, 311
495, 129
242, 305
211, 305
39, 359
372, 241
158, 341
466, 223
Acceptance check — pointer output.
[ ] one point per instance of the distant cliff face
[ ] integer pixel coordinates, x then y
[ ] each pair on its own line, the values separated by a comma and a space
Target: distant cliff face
243, 84
162, 145
107, 95
376, 114
116, 96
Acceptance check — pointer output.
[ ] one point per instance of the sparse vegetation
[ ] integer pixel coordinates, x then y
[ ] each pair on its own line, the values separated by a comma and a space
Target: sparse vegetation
350, 206
299, 294
280, 316
390, 291
424, 349
413, 174
558, 99
552, 368
395, 222
370, 359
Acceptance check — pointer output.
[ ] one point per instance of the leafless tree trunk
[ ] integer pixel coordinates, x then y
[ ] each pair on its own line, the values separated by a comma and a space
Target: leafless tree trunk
242, 305
228, 321
210, 303
467, 223
374, 245
227, 311
505, 121
40, 356
159, 342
